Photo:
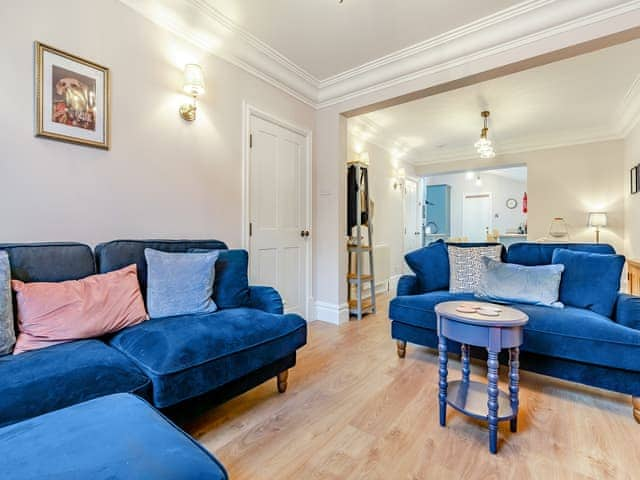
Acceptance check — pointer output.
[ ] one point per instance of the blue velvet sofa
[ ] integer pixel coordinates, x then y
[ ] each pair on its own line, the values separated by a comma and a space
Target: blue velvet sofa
115, 437
571, 343
165, 360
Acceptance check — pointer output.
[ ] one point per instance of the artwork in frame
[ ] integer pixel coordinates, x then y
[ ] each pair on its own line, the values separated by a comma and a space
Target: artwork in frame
72, 98
634, 179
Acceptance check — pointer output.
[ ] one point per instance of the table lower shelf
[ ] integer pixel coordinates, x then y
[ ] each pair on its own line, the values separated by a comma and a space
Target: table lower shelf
471, 399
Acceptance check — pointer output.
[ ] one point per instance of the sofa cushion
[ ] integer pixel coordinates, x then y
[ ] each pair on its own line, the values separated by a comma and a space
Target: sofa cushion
180, 283
113, 437
431, 266
50, 262
50, 313
590, 280
51, 378
120, 253
466, 266
7, 329
419, 310
231, 286
215, 349
528, 253
513, 283
581, 335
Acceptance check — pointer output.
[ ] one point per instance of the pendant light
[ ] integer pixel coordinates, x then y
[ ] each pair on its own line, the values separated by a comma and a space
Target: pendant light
483, 146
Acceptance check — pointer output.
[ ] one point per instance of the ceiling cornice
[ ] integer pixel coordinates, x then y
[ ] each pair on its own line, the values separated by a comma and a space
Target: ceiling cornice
532, 20
563, 139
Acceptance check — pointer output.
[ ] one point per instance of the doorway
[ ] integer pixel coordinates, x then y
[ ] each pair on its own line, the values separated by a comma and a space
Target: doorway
412, 209
277, 208
477, 216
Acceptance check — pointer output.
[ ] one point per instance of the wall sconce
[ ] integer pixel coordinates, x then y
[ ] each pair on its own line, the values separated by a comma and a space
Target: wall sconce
194, 86
399, 177
597, 220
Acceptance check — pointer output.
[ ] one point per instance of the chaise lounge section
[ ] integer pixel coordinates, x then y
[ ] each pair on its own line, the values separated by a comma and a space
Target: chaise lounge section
571, 343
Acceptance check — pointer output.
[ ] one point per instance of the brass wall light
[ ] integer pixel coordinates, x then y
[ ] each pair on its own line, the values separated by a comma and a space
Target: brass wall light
194, 86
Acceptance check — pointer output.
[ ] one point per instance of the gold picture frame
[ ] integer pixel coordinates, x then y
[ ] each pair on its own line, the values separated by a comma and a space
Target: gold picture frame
72, 98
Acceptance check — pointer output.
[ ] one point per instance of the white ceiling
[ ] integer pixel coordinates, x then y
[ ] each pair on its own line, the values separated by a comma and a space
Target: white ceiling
326, 38
587, 98
323, 53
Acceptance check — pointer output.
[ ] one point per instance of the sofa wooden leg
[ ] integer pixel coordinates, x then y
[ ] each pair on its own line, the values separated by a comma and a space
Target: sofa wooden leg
635, 401
401, 345
282, 381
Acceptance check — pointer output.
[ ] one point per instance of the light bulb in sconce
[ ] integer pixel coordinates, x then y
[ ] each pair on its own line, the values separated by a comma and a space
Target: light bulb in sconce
194, 86
399, 177
469, 175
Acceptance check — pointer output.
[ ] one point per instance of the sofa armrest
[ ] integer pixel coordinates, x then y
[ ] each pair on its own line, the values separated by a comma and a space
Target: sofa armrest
266, 299
628, 311
407, 285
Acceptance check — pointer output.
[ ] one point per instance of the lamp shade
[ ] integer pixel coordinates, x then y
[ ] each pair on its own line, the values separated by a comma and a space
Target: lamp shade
193, 79
597, 219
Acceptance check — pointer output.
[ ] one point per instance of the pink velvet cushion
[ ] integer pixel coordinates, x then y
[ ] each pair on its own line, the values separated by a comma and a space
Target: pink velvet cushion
51, 313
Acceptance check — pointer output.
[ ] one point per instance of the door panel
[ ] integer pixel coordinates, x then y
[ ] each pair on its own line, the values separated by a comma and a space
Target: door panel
278, 212
477, 216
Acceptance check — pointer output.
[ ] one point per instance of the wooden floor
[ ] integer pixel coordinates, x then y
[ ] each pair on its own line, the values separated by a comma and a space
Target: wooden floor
354, 410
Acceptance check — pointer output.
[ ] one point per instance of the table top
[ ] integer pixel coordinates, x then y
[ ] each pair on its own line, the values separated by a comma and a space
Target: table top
508, 316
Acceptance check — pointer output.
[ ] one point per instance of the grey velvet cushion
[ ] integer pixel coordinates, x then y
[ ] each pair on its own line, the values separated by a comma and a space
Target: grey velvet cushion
513, 283
7, 332
466, 266
180, 283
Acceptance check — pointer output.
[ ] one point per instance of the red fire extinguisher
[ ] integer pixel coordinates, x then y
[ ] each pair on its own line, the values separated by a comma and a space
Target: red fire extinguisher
525, 209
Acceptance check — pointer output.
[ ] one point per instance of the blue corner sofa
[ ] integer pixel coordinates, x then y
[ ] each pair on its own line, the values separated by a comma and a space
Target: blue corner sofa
164, 360
571, 343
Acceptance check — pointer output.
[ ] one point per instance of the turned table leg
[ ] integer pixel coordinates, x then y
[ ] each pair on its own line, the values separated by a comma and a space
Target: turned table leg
635, 401
442, 395
466, 371
492, 403
282, 381
514, 385
401, 346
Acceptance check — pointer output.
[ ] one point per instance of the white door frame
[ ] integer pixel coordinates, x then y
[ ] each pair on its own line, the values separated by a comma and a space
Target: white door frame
415, 180
248, 111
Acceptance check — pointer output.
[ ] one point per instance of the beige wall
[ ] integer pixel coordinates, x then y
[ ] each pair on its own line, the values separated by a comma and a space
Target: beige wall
566, 182
632, 202
163, 177
388, 220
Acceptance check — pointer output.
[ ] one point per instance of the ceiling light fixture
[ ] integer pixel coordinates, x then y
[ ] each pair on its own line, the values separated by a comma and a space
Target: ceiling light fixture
483, 146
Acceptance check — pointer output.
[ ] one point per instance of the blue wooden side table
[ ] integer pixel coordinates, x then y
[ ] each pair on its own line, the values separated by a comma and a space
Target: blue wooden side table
476, 399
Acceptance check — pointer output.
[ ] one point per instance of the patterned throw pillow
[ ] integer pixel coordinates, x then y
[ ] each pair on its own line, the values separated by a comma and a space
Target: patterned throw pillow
7, 333
466, 266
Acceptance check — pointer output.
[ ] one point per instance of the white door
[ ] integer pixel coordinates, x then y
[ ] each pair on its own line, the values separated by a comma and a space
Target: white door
476, 216
412, 216
279, 227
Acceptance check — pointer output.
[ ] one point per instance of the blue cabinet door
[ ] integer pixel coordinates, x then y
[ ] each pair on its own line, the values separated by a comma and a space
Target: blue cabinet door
438, 210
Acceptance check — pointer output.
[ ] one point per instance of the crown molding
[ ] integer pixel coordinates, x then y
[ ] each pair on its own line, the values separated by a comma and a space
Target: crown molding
523, 145
628, 113
530, 21
366, 130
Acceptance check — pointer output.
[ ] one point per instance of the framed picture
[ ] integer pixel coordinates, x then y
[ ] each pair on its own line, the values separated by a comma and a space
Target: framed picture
634, 180
72, 98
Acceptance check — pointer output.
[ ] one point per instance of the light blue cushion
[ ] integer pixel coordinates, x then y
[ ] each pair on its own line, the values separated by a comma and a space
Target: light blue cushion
7, 332
512, 283
180, 283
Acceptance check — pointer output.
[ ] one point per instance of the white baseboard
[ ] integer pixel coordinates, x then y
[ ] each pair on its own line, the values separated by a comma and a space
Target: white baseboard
331, 313
393, 284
